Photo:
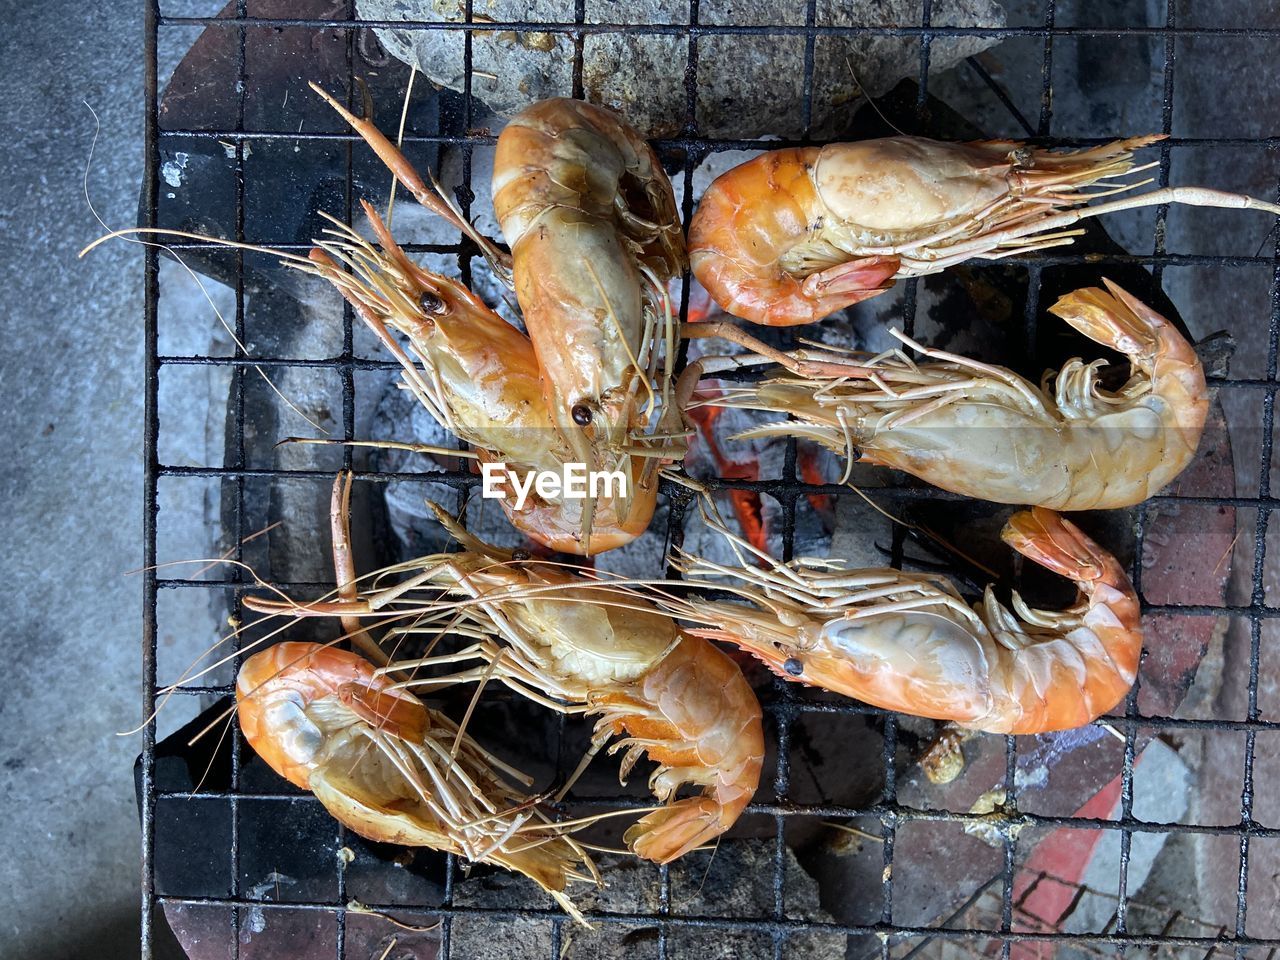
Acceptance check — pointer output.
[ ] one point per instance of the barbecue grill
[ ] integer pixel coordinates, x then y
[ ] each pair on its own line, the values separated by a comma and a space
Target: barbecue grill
217, 832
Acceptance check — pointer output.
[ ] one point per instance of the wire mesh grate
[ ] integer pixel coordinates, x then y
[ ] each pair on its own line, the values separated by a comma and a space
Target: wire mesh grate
994, 922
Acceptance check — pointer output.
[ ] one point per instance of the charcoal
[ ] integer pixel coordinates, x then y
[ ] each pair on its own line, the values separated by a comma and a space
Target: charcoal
736, 880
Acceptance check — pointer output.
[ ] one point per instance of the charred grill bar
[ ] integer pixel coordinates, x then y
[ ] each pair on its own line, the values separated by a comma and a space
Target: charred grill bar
782, 705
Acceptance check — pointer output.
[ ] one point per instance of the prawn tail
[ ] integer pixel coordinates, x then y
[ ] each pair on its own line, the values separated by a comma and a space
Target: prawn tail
1105, 630
696, 717
1057, 544
674, 830
1155, 347
1114, 318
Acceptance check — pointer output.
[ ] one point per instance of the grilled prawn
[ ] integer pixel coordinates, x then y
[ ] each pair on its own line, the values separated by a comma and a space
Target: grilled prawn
793, 235
392, 770
480, 379
985, 432
580, 646
595, 239
908, 642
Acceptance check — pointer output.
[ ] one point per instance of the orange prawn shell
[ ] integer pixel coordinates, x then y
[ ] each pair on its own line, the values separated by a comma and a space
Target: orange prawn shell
747, 219
793, 235
732, 247
881, 682
591, 219
1115, 616
935, 665
558, 528
304, 673
679, 683
702, 715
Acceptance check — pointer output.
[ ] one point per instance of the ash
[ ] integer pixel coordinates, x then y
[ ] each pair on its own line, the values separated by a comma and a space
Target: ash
734, 880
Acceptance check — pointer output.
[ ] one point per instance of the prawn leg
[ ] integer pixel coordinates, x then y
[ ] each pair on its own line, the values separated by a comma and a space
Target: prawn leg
854, 281
344, 567
829, 365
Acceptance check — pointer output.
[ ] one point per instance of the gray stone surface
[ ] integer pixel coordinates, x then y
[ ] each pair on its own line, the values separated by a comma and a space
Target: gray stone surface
70, 482
70, 389
746, 85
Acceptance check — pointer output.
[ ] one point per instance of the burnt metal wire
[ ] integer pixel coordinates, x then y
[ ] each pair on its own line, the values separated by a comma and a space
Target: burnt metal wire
996, 921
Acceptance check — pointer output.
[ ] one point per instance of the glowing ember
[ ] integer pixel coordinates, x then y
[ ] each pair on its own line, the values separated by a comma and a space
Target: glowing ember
745, 503
809, 459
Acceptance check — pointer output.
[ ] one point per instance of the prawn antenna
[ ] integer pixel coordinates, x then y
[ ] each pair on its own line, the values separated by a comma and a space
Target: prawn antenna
1267, 236
88, 166
872, 100
404, 116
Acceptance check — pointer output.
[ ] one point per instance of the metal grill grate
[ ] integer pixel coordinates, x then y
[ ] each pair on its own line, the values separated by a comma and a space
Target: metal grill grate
997, 923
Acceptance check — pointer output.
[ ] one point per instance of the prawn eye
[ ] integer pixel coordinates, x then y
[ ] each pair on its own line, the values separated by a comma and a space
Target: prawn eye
519, 554
793, 666
431, 303
581, 414
1022, 158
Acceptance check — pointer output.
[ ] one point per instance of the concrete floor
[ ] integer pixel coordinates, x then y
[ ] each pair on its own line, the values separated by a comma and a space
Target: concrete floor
70, 480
